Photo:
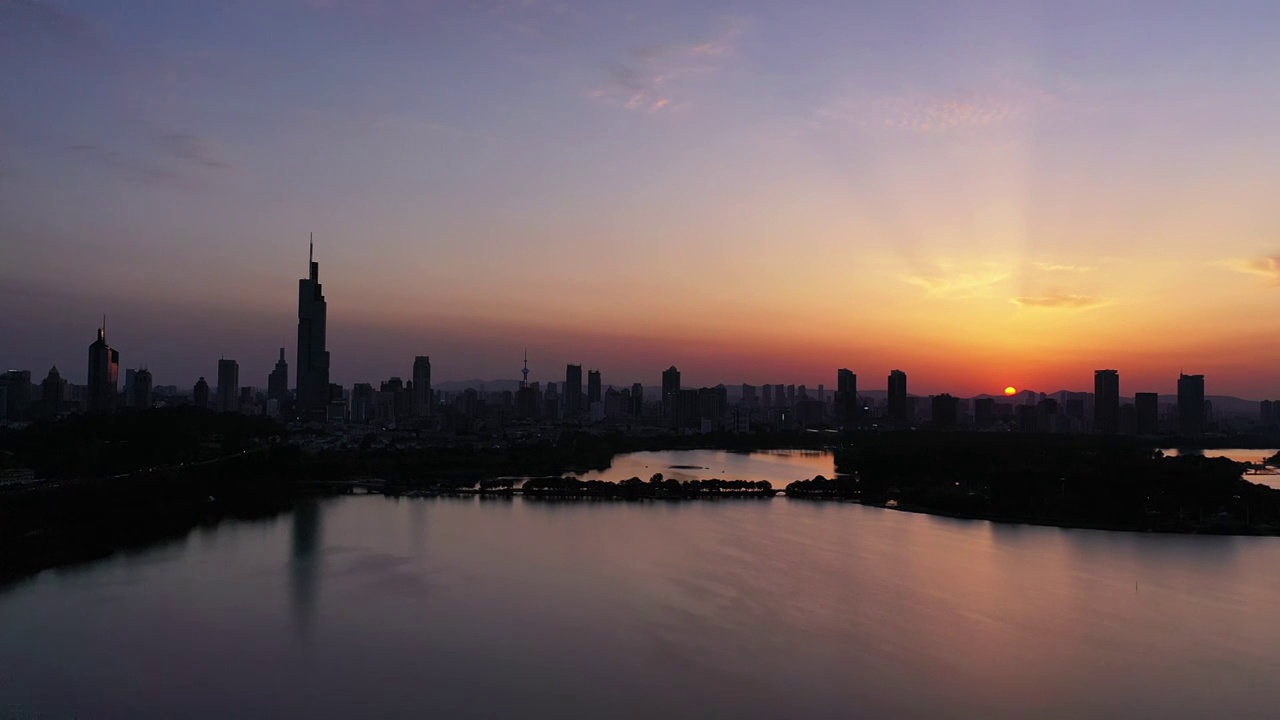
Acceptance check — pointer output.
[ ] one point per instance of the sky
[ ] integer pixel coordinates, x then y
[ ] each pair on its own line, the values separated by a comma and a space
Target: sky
981, 193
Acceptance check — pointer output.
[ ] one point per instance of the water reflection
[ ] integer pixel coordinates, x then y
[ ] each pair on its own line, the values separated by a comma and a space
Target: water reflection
305, 564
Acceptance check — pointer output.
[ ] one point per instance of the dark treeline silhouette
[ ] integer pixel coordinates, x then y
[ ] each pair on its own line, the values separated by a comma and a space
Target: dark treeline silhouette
657, 487
135, 479
1088, 481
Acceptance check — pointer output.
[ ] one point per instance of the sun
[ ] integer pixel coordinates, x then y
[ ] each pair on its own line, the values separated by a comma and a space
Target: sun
1011, 390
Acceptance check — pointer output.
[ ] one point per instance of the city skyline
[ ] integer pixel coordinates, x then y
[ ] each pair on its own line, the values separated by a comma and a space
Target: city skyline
1012, 194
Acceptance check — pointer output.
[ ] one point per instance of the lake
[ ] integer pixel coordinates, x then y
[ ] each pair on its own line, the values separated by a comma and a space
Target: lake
365, 606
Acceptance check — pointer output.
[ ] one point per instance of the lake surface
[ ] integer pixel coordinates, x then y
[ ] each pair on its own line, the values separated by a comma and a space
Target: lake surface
374, 607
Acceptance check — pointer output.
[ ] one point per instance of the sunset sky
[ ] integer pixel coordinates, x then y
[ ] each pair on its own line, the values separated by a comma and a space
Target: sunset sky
981, 193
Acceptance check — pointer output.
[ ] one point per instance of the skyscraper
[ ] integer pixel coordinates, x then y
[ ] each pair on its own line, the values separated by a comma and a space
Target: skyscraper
129, 376
898, 398
670, 386
52, 392
278, 381
637, 399
1191, 415
228, 385
1106, 401
572, 391
422, 386
1147, 411
313, 359
17, 401
846, 396
104, 374
200, 394
593, 387
141, 389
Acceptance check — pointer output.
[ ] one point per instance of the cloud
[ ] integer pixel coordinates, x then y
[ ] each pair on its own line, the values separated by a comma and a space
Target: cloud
1059, 300
166, 160
188, 147
1055, 267
1267, 267
925, 112
957, 285
657, 77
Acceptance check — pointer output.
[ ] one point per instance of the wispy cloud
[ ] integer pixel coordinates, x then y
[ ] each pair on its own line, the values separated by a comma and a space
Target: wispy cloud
948, 281
1059, 301
167, 158
1061, 268
657, 77
1267, 267
931, 112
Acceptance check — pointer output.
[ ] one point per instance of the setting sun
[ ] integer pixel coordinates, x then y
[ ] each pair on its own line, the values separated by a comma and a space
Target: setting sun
1011, 390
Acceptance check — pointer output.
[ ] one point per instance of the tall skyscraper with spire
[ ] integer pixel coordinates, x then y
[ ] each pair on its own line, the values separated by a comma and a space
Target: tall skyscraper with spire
313, 359
104, 373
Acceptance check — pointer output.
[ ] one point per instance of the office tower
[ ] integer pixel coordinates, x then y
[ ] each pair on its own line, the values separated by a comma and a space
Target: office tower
104, 374
684, 404
141, 389
422, 385
846, 396
1191, 408
52, 392
593, 387
749, 398
1146, 407
313, 359
228, 385
670, 386
780, 395
278, 381
17, 403
551, 402
1106, 401
766, 396
1267, 413
363, 403
129, 376
791, 396
946, 411
822, 393
637, 399
200, 394
898, 409
572, 391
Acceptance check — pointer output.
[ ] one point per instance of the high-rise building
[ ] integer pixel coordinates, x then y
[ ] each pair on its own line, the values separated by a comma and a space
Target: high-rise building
766, 396
1146, 407
946, 411
572, 391
129, 376
104, 374
228, 385
141, 389
749, 395
200, 394
363, 403
637, 399
780, 395
422, 386
1191, 408
593, 387
984, 413
313, 359
278, 381
1106, 401
52, 392
17, 402
670, 386
846, 396
898, 411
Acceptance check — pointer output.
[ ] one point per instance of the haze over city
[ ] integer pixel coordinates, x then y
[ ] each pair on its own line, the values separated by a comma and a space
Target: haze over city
1006, 195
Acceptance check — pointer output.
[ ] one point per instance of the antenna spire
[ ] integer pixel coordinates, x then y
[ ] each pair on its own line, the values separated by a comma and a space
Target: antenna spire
311, 248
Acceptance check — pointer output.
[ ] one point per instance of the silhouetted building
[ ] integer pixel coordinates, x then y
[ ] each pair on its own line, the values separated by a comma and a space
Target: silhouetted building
313, 359
1106, 401
398, 395
364, 403
749, 395
637, 399
200, 394
766, 396
984, 413
422, 385
946, 411
684, 409
670, 386
846, 396
129, 376
278, 381
1191, 406
53, 391
17, 400
593, 387
712, 402
809, 413
141, 389
572, 391
228, 385
1267, 414
104, 374
1146, 407
898, 406
791, 396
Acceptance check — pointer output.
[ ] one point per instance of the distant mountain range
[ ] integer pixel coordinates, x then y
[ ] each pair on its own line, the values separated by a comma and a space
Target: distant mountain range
1222, 404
